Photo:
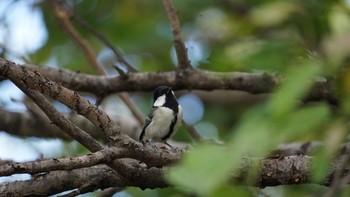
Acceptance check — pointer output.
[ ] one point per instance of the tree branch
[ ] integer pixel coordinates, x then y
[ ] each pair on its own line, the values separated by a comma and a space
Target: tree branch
287, 170
82, 44
193, 79
33, 80
62, 122
103, 156
69, 163
28, 80
192, 131
62, 14
180, 48
26, 125
105, 41
58, 181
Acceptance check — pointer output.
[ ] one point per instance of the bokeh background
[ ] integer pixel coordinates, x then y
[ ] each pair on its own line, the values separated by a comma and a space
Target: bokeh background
301, 39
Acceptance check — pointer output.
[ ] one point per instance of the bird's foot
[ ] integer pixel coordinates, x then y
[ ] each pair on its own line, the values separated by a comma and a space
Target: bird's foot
176, 149
148, 143
151, 143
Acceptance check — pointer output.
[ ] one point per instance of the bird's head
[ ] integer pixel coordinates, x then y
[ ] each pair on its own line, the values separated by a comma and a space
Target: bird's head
161, 95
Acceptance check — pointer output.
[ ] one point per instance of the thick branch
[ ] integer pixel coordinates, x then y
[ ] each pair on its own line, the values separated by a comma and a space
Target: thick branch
159, 158
55, 182
69, 163
179, 80
294, 169
287, 170
33, 80
99, 177
103, 156
183, 79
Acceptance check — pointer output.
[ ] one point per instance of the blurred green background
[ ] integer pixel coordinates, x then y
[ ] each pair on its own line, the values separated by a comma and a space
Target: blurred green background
303, 40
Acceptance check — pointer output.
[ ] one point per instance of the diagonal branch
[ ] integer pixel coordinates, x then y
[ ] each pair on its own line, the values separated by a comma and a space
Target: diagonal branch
26, 125
58, 119
82, 44
180, 48
26, 79
33, 80
62, 14
192, 131
105, 41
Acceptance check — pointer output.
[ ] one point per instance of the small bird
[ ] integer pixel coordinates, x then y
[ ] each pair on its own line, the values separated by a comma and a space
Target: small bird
164, 119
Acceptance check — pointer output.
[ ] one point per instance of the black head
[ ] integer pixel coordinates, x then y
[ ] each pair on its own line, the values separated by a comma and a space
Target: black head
164, 96
161, 90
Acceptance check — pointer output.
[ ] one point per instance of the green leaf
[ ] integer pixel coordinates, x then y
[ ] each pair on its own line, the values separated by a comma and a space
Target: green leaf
272, 13
304, 120
203, 169
320, 165
299, 79
254, 129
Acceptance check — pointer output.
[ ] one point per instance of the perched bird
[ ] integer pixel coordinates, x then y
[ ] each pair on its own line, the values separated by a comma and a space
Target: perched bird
164, 119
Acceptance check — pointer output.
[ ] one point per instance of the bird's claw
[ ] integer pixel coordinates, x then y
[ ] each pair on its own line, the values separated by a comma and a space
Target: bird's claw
150, 143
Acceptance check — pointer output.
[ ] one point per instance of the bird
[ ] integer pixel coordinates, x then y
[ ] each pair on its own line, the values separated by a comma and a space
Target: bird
164, 118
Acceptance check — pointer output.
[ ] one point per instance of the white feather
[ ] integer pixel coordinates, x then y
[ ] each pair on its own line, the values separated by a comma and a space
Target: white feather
160, 101
160, 124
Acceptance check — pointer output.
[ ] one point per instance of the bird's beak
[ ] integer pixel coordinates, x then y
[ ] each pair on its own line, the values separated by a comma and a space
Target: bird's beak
169, 89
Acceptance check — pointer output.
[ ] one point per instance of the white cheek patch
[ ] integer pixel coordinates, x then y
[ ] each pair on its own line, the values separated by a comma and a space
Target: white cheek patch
160, 101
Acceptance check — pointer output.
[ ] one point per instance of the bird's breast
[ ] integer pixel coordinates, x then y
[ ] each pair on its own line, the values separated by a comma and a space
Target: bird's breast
163, 116
160, 125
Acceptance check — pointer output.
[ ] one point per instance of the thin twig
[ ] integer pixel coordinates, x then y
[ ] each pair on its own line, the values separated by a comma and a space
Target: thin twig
63, 16
180, 48
83, 45
105, 41
25, 58
192, 131
338, 181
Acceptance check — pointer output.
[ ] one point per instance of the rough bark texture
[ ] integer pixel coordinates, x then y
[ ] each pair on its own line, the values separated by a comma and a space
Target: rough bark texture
270, 172
57, 181
183, 79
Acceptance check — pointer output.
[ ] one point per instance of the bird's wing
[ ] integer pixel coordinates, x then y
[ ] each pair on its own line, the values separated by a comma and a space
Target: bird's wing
147, 122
